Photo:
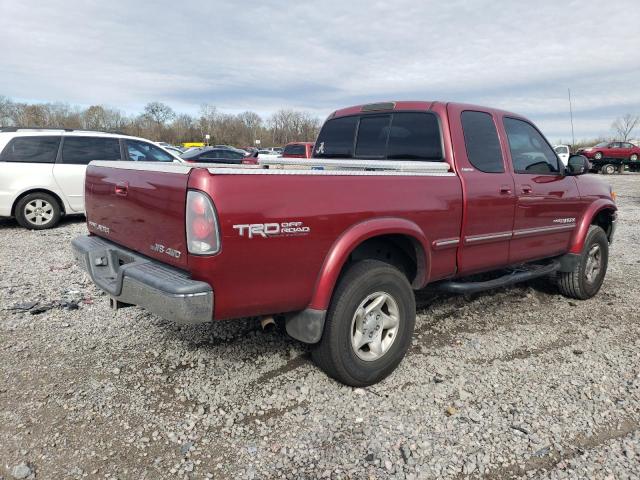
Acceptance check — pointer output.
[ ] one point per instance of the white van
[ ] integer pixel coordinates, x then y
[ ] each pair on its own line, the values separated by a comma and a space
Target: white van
563, 152
42, 170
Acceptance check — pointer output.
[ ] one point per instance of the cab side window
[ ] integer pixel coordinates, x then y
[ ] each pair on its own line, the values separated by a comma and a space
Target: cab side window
481, 142
530, 152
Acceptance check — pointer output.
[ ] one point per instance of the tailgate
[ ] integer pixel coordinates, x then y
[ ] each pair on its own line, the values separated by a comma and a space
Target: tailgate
140, 206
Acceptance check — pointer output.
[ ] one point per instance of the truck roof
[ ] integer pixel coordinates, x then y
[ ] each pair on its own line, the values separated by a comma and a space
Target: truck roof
411, 105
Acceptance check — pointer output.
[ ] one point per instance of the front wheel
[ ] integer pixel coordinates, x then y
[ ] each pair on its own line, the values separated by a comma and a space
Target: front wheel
586, 278
598, 156
634, 157
369, 325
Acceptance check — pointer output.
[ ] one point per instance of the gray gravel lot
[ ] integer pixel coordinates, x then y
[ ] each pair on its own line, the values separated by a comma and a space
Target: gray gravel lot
517, 383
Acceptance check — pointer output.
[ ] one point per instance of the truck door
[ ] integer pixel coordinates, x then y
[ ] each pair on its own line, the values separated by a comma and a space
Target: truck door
548, 202
77, 152
488, 190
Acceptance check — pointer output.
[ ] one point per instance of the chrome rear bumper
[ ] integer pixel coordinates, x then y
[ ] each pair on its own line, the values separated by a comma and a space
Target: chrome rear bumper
132, 279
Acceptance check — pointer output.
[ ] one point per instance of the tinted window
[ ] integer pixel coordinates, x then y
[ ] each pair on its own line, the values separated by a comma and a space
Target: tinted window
414, 136
31, 150
530, 152
627, 145
211, 154
145, 152
294, 150
81, 150
481, 142
373, 133
336, 138
236, 155
399, 136
562, 150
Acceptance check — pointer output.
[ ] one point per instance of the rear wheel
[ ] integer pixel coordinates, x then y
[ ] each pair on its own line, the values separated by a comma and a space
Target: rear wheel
608, 169
586, 278
38, 211
369, 324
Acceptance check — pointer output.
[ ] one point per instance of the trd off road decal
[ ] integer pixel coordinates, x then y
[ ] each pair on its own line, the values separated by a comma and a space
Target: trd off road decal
269, 230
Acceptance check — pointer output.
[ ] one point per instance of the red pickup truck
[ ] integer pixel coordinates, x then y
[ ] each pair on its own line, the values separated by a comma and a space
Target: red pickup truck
397, 196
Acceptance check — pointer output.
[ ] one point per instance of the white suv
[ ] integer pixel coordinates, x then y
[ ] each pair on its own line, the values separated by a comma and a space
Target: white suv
42, 170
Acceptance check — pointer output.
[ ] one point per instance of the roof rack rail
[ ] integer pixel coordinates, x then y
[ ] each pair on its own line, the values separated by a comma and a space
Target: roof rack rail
15, 129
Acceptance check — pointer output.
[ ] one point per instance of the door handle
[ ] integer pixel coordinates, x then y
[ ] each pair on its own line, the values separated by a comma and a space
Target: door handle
122, 189
526, 189
505, 189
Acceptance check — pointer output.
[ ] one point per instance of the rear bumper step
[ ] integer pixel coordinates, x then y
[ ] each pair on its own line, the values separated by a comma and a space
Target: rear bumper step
130, 278
504, 281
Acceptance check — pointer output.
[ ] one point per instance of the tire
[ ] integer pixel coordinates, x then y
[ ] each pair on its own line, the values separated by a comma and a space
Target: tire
367, 284
608, 169
634, 157
38, 211
584, 281
598, 156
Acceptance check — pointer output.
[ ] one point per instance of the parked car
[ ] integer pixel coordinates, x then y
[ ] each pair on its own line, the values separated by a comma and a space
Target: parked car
42, 170
623, 150
298, 150
174, 150
409, 194
221, 154
564, 152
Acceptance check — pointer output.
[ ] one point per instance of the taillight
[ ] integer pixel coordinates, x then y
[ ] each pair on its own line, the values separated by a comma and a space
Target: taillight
203, 237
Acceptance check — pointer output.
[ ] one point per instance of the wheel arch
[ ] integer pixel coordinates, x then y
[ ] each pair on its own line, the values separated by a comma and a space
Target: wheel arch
368, 239
601, 213
63, 207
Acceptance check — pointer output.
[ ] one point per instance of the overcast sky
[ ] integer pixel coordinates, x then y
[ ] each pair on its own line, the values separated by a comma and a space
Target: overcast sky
319, 56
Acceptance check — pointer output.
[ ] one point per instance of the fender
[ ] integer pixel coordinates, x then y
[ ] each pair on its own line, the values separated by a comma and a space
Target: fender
354, 236
580, 233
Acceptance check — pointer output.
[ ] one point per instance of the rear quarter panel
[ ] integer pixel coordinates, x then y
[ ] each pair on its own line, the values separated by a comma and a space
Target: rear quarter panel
17, 178
253, 276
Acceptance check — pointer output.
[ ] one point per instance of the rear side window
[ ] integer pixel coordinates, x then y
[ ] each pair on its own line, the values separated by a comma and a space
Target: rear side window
481, 142
294, 150
81, 150
31, 150
396, 136
530, 152
145, 152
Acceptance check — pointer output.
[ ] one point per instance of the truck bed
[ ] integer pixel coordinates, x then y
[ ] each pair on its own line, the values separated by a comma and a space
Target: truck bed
277, 273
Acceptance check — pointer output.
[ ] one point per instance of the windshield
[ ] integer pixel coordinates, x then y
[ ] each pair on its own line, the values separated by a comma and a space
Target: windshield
602, 144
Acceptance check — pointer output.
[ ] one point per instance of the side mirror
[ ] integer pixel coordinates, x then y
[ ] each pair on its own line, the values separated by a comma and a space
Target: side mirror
578, 165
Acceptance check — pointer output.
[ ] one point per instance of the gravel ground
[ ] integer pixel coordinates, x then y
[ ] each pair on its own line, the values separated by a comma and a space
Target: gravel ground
517, 383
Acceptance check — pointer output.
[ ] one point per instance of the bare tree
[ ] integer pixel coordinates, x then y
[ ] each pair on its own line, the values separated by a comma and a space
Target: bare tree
623, 126
159, 113
6, 109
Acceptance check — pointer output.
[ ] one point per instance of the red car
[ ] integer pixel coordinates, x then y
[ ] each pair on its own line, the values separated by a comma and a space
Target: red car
398, 196
298, 150
624, 150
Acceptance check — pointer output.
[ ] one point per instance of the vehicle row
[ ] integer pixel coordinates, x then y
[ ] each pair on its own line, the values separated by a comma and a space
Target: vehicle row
43, 170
